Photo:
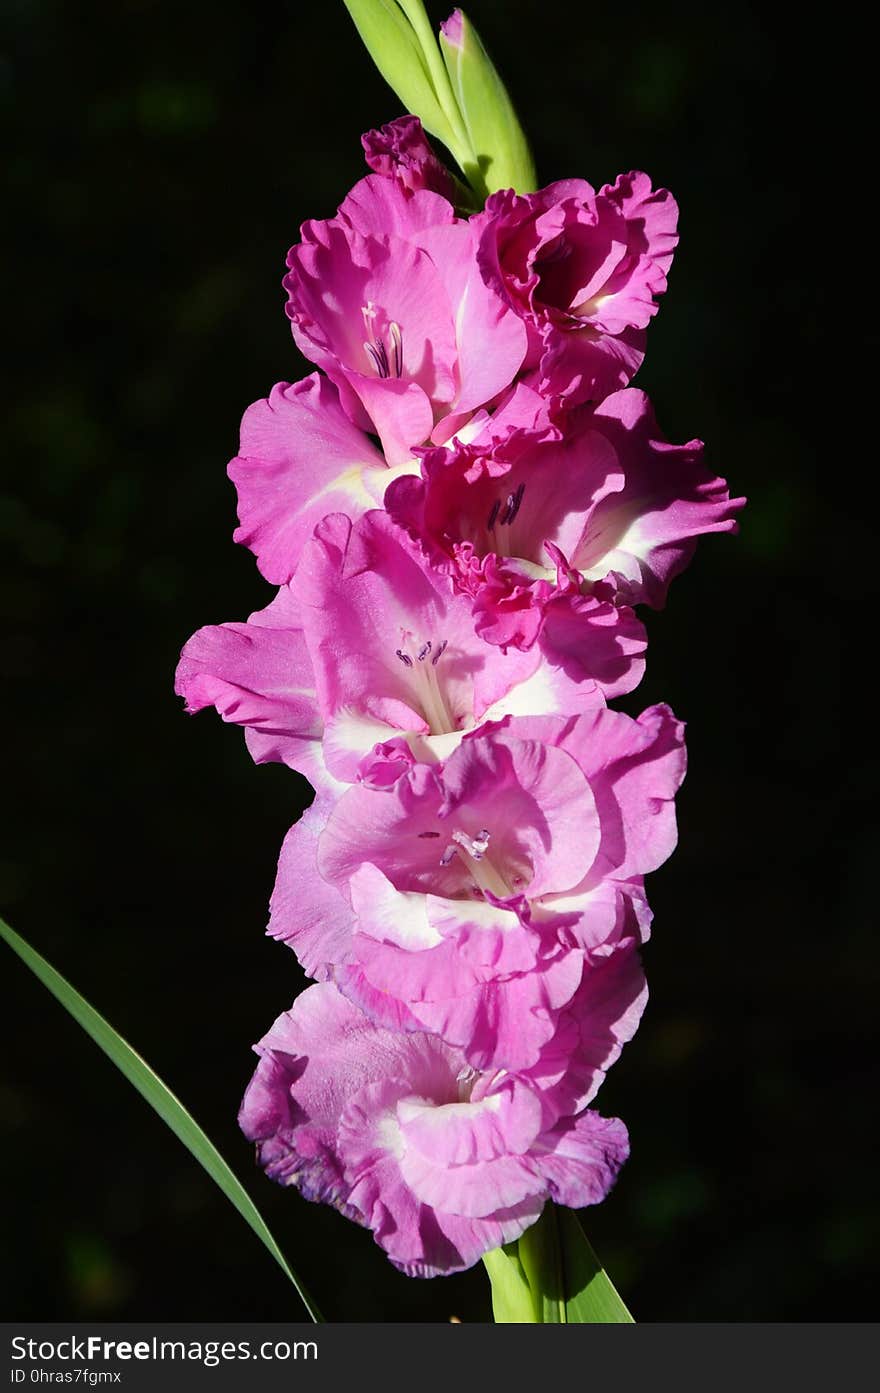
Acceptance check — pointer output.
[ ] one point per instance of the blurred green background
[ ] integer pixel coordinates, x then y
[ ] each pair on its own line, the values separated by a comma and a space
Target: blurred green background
162, 158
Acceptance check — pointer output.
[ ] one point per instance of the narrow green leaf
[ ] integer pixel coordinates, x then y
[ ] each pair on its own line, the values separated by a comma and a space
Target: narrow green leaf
158, 1095
590, 1295
392, 44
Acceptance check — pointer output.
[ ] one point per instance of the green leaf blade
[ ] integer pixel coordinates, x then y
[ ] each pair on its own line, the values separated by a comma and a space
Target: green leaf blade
557, 1266
590, 1296
158, 1095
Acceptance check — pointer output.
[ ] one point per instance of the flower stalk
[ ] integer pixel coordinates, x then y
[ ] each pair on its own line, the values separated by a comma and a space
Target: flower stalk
463, 505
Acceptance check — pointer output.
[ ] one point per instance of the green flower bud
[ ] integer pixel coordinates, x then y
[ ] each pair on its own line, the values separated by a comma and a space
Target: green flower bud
501, 158
399, 39
513, 1301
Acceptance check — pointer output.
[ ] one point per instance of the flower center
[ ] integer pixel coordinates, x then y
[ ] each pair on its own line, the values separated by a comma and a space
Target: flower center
505, 538
421, 664
465, 1081
385, 355
472, 850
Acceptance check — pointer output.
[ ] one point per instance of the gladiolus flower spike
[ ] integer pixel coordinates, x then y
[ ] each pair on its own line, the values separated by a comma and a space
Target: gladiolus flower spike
462, 510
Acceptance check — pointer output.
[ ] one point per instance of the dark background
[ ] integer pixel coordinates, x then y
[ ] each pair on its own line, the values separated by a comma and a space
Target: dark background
163, 157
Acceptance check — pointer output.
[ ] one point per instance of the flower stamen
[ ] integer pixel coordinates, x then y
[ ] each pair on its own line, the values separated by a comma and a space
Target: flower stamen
375, 347
429, 692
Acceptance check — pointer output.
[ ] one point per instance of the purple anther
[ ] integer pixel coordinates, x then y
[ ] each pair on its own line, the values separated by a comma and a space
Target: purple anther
424, 651
508, 507
379, 356
396, 335
490, 523
404, 657
423, 835
439, 654
517, 500
448, 854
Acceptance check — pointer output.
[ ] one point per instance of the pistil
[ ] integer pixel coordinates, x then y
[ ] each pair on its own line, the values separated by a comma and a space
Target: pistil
472, 851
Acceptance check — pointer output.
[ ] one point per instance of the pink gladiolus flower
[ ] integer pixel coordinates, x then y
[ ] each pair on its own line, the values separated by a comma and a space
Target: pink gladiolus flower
387, 298
583, 270
575, 528
401, 1135
470, 895
400, 151
394, 652
461, 508
366, 645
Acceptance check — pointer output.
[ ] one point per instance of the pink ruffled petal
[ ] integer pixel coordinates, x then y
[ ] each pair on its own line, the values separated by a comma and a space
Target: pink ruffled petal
582, 1159
400, 151
256, 675
306, 912
300, 458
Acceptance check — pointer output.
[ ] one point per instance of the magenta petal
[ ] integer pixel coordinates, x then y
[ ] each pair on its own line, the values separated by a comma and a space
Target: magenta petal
651, 217
399, 411
549, 821
306, 912
394, 647
372, 311
300, 458
400, 151
582, 1159
583, 270
647, 533
257, 675
589, 639
584, 366
490, 340
378, 208
635, 769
